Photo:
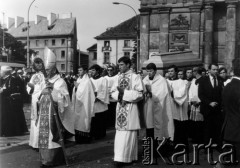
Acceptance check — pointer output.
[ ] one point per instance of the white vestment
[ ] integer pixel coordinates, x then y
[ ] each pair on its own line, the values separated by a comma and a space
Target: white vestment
110, 85
101, 88
180, 99
39, 84
83, 101
127, 116
158, 109
60, 95
195, 114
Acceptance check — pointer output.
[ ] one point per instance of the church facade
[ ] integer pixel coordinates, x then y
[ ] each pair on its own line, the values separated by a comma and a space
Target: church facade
189, 32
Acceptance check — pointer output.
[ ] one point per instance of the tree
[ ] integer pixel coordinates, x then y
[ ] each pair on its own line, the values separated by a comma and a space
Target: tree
14, 48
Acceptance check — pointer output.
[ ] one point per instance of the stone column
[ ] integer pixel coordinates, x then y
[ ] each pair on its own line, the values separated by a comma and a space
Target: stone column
144, 35
231, 33
194, 32
208, 35
164, 29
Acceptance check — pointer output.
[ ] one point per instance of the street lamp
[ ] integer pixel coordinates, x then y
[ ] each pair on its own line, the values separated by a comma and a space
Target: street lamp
118, 3
28, 35
79, 55
3, 30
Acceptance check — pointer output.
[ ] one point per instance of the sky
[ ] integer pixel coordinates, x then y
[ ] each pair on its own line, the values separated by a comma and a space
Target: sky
93, 16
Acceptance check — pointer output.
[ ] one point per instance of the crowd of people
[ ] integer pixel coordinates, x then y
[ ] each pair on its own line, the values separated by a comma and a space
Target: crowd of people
184, 104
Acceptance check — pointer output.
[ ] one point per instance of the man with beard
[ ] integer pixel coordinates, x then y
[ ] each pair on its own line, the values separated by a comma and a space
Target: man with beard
12, 117
127, 90
83, 102
98, 126
34, 88
55, 119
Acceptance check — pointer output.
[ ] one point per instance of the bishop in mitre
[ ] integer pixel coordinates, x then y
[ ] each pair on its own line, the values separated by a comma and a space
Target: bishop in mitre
54, 109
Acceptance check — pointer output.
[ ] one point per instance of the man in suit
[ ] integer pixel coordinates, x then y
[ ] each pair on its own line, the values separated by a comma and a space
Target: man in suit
209, 92
231, 106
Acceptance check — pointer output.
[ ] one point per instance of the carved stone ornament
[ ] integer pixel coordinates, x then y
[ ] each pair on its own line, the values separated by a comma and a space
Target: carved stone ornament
180, 22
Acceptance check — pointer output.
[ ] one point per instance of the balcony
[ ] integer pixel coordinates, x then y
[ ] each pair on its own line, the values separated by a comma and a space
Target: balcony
106, 48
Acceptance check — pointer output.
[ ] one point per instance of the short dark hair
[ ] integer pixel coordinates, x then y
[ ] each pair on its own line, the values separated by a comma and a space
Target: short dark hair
210, 65
203, 69
199, 70
188, 69
97, 68
181, 70
151, 66
222, 68
174, 67
83, 67
236, 66
125, 60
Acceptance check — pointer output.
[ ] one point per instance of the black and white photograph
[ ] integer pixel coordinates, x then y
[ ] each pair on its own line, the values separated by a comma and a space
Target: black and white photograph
120, 83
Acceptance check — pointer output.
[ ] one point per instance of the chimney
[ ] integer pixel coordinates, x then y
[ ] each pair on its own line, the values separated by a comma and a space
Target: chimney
66, 15
39, 18
18, 21
51, 18
10, 22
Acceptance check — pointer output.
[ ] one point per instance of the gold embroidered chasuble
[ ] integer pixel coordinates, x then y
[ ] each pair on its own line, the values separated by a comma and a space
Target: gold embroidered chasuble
127, 112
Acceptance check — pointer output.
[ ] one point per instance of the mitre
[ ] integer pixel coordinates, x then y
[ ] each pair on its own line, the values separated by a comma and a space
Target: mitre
49, 58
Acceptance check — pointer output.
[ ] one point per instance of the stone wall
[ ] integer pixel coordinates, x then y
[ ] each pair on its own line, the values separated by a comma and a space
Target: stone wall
189, 32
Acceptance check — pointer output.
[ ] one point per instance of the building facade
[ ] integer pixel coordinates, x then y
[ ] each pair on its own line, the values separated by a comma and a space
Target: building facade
189, 32
92, 52
59, 33
116, 42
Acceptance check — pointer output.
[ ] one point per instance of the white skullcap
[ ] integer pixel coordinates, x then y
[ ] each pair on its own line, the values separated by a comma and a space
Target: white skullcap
6, 68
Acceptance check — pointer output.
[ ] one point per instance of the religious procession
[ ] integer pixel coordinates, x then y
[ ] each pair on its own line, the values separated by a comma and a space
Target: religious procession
191, 106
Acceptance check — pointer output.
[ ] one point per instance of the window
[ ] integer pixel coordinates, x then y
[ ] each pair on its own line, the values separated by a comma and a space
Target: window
62, 67
63, 54
53, 42
37, 43
127, 54
106, 43
63, 42
126, 43
94, 55
106, 57
46, 42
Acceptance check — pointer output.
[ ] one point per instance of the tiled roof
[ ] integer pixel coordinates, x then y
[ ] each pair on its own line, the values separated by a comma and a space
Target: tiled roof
126, 29
59, 27
93, 47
